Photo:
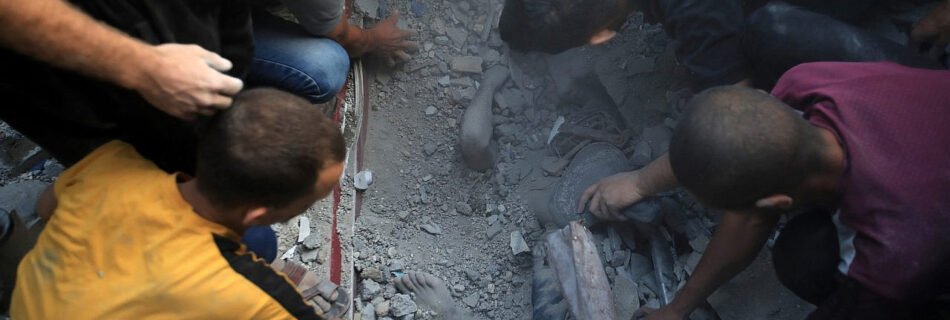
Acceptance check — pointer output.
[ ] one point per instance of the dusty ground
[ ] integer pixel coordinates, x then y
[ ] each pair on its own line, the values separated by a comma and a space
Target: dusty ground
429, 212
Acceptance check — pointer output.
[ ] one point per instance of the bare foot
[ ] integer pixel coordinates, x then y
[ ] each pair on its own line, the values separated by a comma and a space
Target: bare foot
432, 292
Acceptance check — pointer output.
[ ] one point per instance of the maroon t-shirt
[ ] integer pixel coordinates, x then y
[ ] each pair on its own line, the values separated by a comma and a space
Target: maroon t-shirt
894, 124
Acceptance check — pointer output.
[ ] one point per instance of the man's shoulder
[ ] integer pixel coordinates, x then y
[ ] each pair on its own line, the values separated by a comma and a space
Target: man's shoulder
260, 282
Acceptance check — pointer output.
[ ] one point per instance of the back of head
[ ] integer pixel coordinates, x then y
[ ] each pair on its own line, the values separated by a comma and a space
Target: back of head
736, 145
552, 26
265, 150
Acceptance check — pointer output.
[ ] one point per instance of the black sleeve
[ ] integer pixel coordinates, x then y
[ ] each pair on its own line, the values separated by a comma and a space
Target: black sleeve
237, 40
706, 34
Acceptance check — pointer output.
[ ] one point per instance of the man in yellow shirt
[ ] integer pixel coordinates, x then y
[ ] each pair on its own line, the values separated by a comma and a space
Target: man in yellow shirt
130, 241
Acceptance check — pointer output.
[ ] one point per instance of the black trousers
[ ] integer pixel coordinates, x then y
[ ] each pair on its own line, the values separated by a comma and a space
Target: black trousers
779, 36
806, 259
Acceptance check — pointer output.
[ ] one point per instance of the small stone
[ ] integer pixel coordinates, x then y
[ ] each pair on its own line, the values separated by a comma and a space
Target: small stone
372, 273
494, 230
458, 288
432, 228
466, 64
471, 300
444, 81
395, 265
312, 242
518, 244
442, 40
369, 289
402, 305
370, 8
403, 215
462, 82
363, 180
699, 243
463, 208
310, 256
368, 312
619, 258
642, 154
382, 309
458, 36
429, 148
431, 110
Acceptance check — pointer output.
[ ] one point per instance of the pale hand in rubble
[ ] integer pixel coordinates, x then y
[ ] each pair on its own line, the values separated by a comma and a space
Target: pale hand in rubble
390, 42
186, 80
609, 196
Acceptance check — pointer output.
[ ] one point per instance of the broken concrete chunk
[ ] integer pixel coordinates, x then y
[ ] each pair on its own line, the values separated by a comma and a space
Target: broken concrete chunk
382, 308
699, 243
431, 110
369, 289
363, 180
368, 313
402, 305
518, 244
369, 8
457, 35
312, 242
429, 148
432, 228
466, 64
494, 230
310, 256
303, 224
463, 208
471, 300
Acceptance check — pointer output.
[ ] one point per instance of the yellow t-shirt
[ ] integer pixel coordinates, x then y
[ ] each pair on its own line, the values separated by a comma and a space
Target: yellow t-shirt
123, 244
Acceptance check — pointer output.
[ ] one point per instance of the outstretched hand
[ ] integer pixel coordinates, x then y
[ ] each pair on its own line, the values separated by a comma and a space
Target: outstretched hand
390, 42
609, 196
187, 80
933, 30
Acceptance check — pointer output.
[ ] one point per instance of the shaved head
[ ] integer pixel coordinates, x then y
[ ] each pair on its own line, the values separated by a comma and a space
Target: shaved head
737, 145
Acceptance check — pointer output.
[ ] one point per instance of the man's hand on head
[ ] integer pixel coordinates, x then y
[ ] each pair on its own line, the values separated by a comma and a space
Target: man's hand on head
186, 81
390, 42
609, 196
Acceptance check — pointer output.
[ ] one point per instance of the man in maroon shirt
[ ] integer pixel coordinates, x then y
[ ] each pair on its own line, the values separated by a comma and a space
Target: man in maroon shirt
867, 160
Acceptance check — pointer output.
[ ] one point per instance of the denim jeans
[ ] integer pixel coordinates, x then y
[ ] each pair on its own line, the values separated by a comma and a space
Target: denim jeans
288, 58
262, 241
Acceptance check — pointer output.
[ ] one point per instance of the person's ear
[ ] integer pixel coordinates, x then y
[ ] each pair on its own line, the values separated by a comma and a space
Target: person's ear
253, 215
602, 36
775, 201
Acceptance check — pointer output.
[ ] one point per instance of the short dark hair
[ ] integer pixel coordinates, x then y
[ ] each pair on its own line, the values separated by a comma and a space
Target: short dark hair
266, 150
736, 145
553, 26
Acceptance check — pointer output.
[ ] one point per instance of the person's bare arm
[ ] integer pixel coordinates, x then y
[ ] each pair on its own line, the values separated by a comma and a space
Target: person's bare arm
606, 198
182, 80
46, 204
737, 241
384, 39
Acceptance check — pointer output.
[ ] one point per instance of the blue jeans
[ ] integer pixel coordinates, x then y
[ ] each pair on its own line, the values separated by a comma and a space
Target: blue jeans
262, 241
288, 58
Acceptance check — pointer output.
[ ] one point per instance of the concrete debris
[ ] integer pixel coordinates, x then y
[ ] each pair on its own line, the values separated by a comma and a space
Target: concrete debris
642, 154
369, 8
457, 35
303, 228
518, 244
289, 253
21, 197
429, 148
363, 180
626, 294
310, 255
402, 305
699, 243
431, 110
432, 228
382, 309
659, 139
444, 81
368, 312
372, 273
369, 289
312, 242
494, 230
471, 300
466, 64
